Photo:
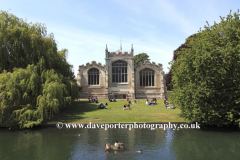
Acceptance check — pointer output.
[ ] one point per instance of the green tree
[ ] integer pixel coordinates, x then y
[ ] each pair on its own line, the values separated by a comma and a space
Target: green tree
25, 43
141, 57
206, 76
36, 79
168, 76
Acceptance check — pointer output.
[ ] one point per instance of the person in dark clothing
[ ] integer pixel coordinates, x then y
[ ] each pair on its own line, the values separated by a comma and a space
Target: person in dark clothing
124, 107
101, 106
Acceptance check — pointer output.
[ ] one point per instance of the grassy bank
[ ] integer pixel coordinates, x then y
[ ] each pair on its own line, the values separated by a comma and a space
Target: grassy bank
85, 112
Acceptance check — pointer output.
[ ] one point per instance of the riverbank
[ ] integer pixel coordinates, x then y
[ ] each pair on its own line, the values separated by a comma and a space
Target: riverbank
84, 112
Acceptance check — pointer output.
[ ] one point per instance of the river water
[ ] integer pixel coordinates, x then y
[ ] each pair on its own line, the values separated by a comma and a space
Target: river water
52, 143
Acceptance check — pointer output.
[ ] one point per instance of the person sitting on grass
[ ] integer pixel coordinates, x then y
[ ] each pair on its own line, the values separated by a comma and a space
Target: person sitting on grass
96, 100
147, 103
92, 99
100, 106
129, 102
124, 107
155, 99
106, 104
110, 99
151, 103
166, 105
154, 102
114, 100
89, 98
104, 107
128, 106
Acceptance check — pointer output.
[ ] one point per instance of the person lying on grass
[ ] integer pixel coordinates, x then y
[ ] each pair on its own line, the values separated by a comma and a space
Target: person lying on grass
171, 107
102, 106
135, 102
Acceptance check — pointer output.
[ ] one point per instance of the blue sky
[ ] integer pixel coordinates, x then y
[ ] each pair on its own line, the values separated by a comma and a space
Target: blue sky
156, 27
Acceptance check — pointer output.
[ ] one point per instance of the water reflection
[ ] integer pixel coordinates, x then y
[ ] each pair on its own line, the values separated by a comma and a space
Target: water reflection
206, 144
53, 143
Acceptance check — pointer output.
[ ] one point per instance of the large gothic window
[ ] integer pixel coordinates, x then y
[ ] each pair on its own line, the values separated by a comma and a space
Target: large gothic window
93, 76
146, 77
119, 72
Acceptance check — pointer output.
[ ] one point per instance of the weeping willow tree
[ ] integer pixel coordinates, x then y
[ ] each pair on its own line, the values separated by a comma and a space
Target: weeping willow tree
36, 79
25, 43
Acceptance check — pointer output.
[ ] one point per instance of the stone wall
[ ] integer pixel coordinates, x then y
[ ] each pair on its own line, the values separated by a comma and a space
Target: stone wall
156, 91
92, 90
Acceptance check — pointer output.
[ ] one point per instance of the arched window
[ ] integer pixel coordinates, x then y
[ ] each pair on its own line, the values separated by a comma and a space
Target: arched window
93, 76
119, 72
146, 77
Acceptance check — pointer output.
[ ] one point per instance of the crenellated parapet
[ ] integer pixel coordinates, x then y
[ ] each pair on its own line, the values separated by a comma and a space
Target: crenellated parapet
93, 64
149, 64
120, 53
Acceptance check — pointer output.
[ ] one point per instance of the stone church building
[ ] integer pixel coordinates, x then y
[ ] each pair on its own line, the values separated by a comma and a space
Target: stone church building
120, 78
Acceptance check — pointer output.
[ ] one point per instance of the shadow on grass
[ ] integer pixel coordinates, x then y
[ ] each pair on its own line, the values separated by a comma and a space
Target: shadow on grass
71, 113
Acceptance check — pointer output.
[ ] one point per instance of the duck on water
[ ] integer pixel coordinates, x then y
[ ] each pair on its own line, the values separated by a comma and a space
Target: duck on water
116, 146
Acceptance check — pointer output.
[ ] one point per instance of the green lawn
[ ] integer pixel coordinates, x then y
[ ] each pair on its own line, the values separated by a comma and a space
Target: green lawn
85, 112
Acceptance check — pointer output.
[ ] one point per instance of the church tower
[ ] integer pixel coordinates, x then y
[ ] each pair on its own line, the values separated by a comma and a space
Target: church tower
120, 73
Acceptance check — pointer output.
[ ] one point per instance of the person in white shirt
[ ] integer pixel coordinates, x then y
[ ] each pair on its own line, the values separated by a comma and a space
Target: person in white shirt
147, 102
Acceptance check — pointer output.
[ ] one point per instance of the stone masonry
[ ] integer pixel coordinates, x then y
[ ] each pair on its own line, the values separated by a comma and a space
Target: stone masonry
132, 89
